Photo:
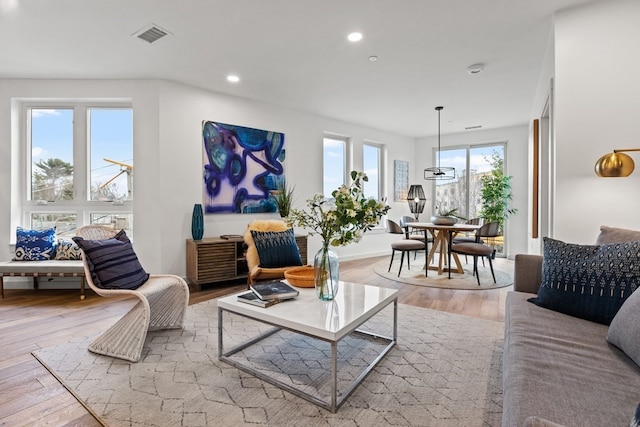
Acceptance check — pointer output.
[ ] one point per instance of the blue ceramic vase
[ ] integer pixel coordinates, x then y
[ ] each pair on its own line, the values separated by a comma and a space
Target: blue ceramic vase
197, 222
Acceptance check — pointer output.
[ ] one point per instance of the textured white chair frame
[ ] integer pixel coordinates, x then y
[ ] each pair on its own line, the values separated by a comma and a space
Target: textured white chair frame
163, 302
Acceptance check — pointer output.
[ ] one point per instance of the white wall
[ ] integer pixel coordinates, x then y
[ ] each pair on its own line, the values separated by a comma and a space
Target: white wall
168, 159
515, 163
182, 110
597, 109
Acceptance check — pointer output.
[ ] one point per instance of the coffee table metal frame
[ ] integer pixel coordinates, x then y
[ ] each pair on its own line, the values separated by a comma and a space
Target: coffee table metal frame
336, 400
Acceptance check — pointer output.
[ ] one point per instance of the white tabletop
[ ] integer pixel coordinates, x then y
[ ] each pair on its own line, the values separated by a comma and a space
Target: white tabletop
331, 320
455, 227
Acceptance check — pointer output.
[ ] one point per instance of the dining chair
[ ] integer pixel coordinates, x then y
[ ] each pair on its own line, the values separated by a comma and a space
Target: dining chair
405, 245
476, 250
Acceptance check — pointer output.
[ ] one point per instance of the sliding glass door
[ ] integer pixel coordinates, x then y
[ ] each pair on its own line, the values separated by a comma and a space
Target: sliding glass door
464, 193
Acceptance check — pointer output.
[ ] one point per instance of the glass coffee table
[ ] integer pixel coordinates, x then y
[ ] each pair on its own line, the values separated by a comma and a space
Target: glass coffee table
328, 321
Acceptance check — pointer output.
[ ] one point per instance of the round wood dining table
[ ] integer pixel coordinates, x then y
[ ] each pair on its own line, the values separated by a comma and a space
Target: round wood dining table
442, 235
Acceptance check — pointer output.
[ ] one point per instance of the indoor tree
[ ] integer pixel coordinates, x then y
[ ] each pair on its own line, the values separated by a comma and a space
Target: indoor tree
496, 192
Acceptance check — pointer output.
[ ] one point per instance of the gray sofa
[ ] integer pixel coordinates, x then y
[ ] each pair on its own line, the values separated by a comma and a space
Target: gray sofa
561, 368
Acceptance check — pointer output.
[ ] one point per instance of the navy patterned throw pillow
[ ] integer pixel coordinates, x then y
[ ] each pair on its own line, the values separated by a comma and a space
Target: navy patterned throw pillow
635, 422
277, 248
588, 281
35, 245
113, 263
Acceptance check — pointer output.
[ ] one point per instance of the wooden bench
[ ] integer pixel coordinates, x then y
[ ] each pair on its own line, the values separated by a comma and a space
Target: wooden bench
37, 269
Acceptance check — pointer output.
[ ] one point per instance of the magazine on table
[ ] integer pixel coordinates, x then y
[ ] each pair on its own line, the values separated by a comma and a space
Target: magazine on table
251, 298
274, 290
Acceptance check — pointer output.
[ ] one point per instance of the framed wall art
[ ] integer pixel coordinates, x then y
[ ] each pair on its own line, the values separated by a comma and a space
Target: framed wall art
400, 180
242, 167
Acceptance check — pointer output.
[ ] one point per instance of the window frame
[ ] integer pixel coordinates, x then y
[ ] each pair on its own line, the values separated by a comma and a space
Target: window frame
80, 205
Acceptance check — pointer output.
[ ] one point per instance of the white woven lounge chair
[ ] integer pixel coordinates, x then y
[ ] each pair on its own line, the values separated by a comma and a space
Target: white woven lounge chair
163, 302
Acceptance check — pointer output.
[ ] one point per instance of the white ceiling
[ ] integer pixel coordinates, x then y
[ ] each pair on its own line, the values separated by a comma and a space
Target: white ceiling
294, 53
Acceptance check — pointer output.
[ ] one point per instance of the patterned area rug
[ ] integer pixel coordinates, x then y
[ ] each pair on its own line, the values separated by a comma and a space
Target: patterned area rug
466, 281
444, 371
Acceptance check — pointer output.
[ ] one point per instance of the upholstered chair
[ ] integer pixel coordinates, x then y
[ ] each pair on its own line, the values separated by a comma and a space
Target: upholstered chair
277, 242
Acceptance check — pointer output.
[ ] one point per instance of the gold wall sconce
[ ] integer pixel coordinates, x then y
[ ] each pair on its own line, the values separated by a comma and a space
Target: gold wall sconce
616, 164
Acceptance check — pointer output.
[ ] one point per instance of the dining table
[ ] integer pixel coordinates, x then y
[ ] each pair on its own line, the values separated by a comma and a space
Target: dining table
443, 236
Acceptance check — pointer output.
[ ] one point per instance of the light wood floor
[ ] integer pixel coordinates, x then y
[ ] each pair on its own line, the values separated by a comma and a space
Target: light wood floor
29, 320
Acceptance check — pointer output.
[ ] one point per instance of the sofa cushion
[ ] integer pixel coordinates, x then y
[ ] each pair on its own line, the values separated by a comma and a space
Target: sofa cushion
588, 281
616, 235
35, 245
277, 248
624, 331
67, 250
113, 263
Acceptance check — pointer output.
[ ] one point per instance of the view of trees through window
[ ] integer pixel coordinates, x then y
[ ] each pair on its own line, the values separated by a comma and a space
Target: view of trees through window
464, 193
79, 155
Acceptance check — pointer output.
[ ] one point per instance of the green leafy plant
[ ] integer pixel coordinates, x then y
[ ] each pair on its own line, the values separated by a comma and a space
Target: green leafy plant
284, 198
496, 192
344, 218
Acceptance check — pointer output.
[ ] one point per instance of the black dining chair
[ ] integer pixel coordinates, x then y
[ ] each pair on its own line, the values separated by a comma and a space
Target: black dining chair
476, 250
405, 245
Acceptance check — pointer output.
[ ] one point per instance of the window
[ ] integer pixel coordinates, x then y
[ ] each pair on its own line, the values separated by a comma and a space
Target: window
371, 164
80, 163
333, 164
465, 191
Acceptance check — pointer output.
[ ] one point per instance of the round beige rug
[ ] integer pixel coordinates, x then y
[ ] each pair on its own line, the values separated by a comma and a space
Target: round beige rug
416, 276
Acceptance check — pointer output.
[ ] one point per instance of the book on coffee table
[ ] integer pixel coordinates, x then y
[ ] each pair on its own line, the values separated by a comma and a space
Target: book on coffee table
274, 290
253, 299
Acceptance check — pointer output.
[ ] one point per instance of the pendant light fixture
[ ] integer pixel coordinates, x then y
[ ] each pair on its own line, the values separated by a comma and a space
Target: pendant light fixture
439, 172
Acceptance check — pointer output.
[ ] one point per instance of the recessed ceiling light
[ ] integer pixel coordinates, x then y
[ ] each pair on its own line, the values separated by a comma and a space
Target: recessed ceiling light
233, 78
373, 58
475, 68
354, 37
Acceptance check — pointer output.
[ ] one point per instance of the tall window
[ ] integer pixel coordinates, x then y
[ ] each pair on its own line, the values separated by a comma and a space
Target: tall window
80, 164
371, 163
333, 164
464, 193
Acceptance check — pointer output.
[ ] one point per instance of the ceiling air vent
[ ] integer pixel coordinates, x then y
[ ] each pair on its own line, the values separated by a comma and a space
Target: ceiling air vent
473, 127
151, 33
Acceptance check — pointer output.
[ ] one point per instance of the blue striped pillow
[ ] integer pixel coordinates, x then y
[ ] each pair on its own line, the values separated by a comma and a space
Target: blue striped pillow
112, 262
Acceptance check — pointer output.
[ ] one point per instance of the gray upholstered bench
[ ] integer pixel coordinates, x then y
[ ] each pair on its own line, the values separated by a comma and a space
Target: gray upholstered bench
36, 269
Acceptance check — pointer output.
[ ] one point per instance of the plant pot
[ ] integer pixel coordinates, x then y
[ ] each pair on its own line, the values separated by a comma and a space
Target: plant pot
444, 220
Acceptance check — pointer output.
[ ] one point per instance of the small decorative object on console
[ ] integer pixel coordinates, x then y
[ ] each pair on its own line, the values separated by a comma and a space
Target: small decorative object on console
274, 290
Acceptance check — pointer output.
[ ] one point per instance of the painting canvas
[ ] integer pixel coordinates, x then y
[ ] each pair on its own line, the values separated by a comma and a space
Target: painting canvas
400, 180
242, 168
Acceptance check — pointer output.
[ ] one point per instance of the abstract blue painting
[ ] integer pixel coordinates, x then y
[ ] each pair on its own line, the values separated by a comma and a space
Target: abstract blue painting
242, 167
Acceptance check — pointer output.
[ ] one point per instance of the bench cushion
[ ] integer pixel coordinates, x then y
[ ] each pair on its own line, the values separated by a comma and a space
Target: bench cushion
43, 268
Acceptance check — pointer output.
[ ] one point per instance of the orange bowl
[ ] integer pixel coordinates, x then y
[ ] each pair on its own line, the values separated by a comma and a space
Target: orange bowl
302, 277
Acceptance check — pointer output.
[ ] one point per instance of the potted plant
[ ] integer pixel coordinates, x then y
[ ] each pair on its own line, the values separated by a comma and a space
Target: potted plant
284, 198
496, 193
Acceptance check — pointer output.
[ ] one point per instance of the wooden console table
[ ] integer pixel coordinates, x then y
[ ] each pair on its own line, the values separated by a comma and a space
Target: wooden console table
214, 259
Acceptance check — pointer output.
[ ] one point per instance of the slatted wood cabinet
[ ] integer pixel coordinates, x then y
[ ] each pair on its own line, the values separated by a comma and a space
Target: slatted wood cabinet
214, 259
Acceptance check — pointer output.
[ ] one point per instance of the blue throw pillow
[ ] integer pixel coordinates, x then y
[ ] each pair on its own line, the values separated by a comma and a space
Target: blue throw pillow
588, 281
277, 248
35, 245
112, 262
